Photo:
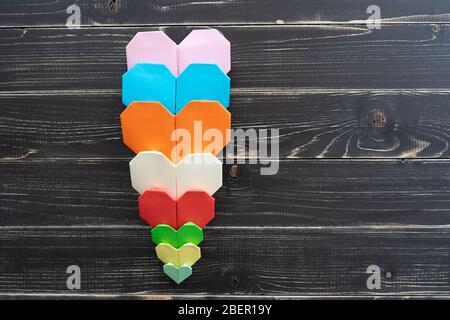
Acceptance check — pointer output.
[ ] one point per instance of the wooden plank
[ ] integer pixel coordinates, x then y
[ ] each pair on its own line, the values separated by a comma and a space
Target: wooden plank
244, 261
336, 91
323, 124
137, 12
302, 193
325, 56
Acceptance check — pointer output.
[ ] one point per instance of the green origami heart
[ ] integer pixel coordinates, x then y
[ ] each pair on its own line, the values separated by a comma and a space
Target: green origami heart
177, 274
188, 233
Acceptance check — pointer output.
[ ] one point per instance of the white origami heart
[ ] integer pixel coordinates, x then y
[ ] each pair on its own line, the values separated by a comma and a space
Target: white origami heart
197, 171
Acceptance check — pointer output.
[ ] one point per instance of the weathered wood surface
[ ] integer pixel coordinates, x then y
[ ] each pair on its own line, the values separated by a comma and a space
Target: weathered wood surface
237, 261
206, 12
264, 57
347, 100
303, 193
328, 124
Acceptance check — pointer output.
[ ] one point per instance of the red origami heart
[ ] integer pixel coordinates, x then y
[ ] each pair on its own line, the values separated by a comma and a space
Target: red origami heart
157, 207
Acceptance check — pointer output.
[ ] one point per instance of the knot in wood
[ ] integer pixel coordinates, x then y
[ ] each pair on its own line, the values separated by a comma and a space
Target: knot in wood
377, 119
236, 171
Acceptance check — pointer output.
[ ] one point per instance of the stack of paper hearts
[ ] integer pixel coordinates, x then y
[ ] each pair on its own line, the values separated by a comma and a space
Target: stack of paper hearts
176, 122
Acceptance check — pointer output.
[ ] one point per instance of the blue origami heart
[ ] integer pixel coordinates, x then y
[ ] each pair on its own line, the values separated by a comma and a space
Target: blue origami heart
147, 82
177, 274
202, 82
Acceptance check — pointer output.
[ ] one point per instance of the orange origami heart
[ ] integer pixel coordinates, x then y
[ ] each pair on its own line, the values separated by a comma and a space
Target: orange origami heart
201, 127
147, 126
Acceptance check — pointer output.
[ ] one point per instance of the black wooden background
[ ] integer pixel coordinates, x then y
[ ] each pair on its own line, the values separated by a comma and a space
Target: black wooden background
364, 150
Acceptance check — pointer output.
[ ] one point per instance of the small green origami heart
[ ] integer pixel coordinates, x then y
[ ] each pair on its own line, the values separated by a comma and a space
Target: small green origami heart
188, 233
177, 274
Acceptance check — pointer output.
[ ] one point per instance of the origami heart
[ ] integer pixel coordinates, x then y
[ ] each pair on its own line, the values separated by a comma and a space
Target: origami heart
202, 82
202, 126
157, 207
200, 171
151, 169
188, 233
196, 206
153, 47
200, 46
177, 274
187, 254
147, 82
148, 126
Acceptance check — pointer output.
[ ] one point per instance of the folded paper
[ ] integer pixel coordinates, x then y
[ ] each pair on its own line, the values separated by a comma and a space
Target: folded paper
199, 46
157, 207
177, 274
187, 254
187, 233
199, 171
176, 122
205, 46
202, 82
148, 126
202, 126
153, 47
155, 83
149, 82
152, 169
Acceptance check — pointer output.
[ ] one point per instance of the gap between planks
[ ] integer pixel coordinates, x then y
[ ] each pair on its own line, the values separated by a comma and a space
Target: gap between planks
143, 227
143, 296
279, 91
277, 23
320, 25
291, 159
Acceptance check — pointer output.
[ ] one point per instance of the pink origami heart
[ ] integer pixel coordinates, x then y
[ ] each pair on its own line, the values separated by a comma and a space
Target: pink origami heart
204, 46
207, 46
152, 47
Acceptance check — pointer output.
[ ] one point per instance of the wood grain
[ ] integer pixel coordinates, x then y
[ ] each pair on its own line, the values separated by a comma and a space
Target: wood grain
264, 57
328, 124
27, 13
243, 261
345, 98
303, 193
